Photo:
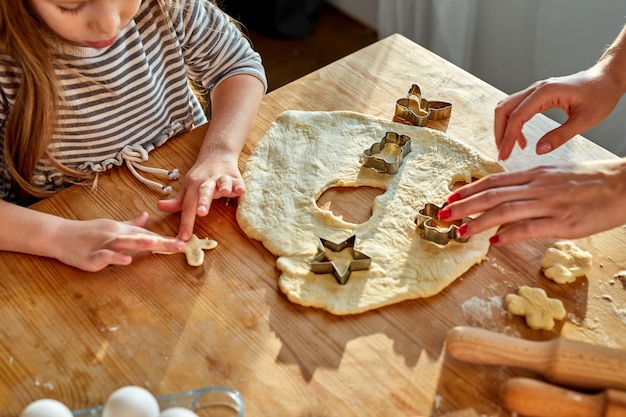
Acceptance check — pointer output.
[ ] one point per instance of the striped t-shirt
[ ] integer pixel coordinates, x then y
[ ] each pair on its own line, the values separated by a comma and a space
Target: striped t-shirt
134, 93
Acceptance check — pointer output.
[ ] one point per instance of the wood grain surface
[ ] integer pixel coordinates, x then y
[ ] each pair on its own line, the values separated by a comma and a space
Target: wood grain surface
161, 324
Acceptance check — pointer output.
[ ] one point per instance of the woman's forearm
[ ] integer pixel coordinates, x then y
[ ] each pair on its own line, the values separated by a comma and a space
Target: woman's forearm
612, 63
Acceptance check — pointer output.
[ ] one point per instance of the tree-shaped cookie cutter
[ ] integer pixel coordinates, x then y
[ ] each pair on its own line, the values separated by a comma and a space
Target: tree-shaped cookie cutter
321, 264
417, 111
387, 155
437, 231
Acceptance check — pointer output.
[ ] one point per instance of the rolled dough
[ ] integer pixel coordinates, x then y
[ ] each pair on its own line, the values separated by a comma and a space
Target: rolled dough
305, 153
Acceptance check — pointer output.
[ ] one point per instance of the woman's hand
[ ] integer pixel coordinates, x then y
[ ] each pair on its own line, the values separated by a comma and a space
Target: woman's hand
587, 98
92, 245
564, 201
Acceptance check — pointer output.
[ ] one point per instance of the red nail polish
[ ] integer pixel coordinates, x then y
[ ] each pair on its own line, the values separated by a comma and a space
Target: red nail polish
454, 197
444, 213
494, 239
462, 230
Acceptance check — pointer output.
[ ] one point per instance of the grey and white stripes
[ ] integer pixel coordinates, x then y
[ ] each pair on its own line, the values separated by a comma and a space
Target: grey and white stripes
135, 92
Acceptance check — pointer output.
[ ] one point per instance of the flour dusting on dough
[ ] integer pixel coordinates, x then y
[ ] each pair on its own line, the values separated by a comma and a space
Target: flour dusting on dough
305, 153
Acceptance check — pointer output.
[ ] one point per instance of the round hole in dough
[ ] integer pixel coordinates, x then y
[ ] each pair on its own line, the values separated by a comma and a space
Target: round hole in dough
346, 203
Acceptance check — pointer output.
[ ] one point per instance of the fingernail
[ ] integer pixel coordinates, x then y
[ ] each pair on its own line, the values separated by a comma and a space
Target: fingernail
444, 214
184, 237
454, 197
202, 209
543, 147
180, 246
494, 239
462, 230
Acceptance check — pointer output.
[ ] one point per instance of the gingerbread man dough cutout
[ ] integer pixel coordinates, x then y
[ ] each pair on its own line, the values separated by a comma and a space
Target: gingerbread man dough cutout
194, 249
533, 303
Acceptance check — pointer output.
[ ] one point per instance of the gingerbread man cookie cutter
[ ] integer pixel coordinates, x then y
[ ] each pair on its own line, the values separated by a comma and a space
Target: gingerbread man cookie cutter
321, 263
438, 231
387, 155
417, 111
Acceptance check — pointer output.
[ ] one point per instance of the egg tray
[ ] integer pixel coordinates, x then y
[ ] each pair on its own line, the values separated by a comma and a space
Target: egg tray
202, 401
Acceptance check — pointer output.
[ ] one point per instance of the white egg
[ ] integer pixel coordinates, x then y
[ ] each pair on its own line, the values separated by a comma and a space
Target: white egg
178, 412
46, 408
131, 401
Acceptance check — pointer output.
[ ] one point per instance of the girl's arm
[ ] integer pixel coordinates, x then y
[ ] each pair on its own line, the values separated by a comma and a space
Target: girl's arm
234, 105
90, 245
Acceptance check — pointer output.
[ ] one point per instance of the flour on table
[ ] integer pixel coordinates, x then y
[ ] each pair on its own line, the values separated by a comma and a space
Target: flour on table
480, 313
305, 153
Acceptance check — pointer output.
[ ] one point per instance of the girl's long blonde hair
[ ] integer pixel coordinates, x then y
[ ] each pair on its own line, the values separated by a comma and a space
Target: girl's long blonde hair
32, 119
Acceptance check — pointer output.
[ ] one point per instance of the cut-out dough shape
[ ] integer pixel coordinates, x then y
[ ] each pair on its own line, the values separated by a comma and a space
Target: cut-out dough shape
194, 249
534, 304
564, 262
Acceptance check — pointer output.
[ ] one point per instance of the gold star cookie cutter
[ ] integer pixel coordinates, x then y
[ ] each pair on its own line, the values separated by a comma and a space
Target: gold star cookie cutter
387, 155
417, 111
441, 232
322, 264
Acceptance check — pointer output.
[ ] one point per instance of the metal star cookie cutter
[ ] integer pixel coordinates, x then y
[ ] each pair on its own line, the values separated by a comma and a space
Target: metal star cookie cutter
438, 231
321, 264
417, 111
387, 155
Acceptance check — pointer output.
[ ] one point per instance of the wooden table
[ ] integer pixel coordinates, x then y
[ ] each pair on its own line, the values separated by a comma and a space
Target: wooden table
169, 327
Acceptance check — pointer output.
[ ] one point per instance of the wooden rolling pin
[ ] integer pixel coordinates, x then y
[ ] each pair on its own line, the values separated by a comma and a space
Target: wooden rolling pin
561, 361
534, 398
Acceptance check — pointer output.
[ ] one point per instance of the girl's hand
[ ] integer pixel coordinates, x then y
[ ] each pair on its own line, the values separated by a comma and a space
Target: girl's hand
586, 98
565, 201
207, 180
92, 245
234, 103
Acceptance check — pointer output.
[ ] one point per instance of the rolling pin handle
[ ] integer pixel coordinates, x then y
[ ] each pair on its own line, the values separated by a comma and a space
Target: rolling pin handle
484, 347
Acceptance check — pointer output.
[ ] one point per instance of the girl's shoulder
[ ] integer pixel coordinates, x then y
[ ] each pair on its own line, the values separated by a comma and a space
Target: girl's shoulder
176, 8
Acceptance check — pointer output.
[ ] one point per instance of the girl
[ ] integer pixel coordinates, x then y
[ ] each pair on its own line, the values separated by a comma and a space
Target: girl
86, 85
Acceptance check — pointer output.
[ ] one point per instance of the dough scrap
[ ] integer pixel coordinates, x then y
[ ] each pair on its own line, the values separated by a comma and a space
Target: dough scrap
564, 262
305, 153
194, 249
533, 303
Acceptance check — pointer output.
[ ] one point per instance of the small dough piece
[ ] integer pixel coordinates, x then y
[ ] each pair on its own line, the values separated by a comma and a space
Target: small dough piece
533, 303
195, 247
564, 262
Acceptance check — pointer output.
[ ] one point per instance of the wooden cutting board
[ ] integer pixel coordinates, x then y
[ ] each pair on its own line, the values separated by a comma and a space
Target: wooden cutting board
164, 325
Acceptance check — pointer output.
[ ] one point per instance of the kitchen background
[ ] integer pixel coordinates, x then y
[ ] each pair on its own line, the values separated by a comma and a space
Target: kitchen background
508, 43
